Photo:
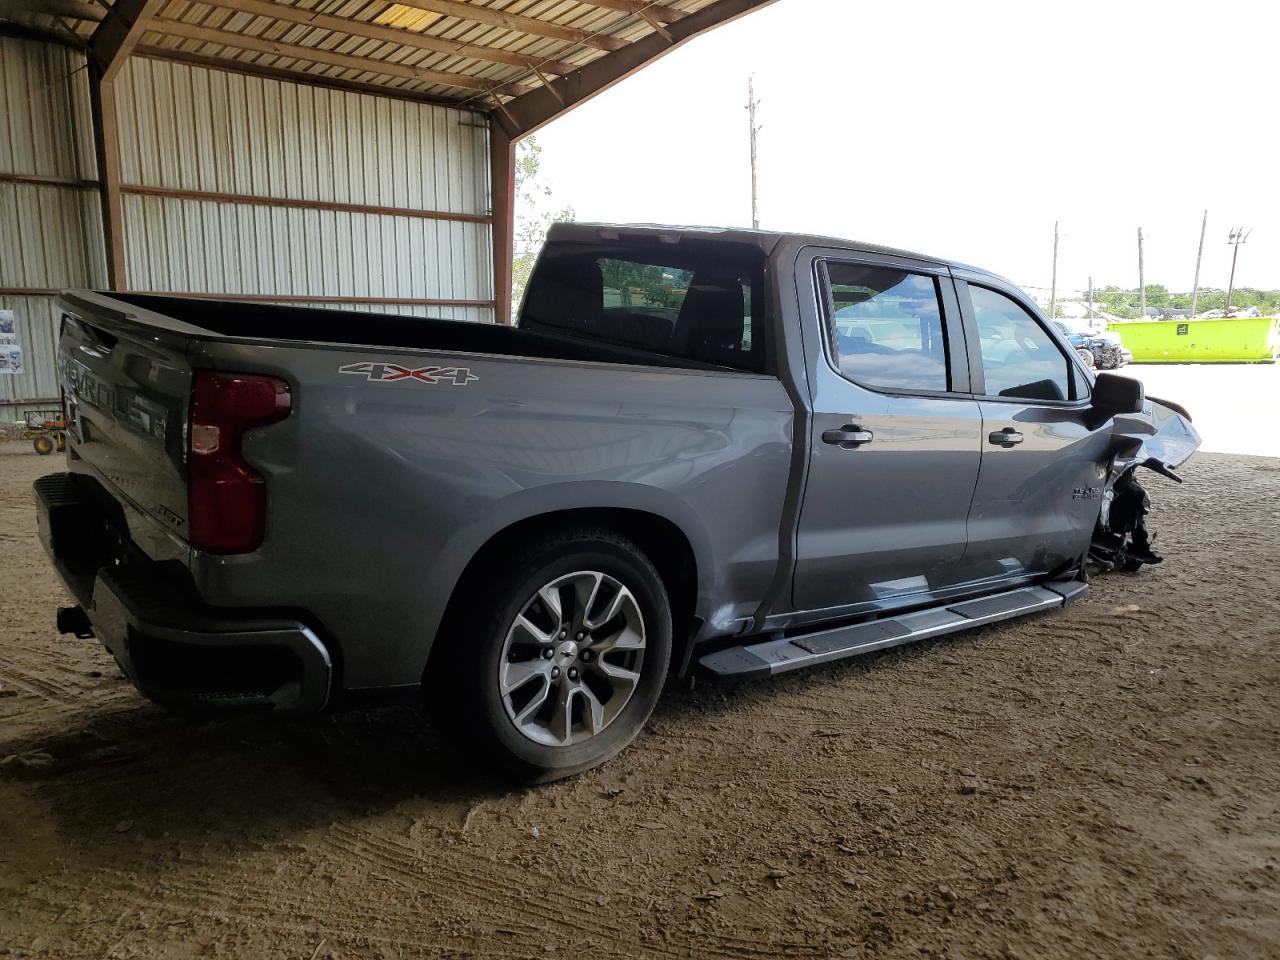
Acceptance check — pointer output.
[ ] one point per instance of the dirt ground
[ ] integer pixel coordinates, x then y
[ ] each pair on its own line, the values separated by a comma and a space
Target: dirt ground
1100, 782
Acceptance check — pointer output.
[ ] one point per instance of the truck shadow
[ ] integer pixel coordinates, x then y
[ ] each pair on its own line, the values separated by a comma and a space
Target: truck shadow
122, 777
240, 780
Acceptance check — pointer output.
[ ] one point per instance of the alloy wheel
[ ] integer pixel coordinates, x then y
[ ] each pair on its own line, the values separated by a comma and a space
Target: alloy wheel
571, 658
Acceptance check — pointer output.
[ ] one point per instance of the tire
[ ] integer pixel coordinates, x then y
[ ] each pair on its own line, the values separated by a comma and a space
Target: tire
506, 661
1087, 357
43, 445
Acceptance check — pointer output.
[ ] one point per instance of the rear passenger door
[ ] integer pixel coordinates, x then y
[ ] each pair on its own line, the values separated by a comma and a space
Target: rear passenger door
895, 446
1040, 485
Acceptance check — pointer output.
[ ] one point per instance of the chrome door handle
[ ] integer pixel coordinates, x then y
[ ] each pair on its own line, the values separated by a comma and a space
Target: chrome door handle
1006, 438
848, 437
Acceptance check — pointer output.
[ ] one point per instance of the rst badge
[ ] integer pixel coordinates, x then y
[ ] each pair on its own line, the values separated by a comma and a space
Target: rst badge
390, 372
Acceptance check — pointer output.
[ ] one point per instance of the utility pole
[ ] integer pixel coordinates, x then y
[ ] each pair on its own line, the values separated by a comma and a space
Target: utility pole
1053, 284
752, 103
1236, 237
1142, 283
1195, 287
1091, 303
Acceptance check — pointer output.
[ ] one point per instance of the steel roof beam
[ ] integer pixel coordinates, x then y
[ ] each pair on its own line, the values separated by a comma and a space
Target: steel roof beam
376, 31
119, 33
327, 57
528, 112
72, 9
511, 21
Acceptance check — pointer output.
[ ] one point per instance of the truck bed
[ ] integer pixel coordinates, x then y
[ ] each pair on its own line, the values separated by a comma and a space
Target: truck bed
262, 321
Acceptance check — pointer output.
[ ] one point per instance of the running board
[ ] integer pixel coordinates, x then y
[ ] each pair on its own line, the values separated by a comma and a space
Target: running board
791, 653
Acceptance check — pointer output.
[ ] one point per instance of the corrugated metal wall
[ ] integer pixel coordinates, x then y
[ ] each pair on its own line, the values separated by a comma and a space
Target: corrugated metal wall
50, 233
234, 185
190, 130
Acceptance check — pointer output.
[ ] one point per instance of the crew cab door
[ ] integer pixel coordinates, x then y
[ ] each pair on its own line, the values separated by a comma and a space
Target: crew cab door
895, 439
1043, 454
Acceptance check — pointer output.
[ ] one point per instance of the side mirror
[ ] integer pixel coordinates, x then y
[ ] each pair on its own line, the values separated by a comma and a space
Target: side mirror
1113, 394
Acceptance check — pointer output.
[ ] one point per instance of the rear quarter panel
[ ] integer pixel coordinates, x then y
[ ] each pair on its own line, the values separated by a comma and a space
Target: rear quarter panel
379, 493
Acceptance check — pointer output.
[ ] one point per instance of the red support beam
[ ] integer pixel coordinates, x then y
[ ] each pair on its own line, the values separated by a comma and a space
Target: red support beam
102, 97
119, 32
502, 183
334, 206
109, 47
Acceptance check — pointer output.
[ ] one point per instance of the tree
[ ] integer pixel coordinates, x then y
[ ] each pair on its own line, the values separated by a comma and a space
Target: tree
1124, 303
534, 214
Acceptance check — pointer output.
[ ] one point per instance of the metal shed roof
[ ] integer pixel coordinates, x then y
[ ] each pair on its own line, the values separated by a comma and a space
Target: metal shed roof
481, 54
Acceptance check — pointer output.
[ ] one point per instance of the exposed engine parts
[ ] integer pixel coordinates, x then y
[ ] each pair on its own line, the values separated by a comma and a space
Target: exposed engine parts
1121, 540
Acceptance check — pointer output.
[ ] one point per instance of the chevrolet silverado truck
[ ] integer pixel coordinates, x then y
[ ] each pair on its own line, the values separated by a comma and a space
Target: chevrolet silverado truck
735, 453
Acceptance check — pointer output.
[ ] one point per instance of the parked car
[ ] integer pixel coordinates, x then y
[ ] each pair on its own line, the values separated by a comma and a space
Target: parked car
774, 451
1101, 350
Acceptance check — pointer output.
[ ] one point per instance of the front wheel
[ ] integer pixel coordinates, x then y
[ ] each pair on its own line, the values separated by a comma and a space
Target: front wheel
1087, 357
557, 665
43, 444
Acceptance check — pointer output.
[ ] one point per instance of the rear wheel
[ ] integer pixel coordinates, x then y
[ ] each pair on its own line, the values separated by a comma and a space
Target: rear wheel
559, 667
43, 444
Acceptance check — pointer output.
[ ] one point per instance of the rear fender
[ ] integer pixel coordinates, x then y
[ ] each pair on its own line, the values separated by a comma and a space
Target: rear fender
555, 498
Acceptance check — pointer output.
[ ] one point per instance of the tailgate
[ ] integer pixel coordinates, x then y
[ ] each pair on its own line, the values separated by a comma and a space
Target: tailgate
127, 386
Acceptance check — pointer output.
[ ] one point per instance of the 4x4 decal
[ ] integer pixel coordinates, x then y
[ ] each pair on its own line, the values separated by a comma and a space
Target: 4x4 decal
389, 372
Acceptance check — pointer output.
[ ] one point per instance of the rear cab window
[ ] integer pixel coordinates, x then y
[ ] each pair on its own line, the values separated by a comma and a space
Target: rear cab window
700, 301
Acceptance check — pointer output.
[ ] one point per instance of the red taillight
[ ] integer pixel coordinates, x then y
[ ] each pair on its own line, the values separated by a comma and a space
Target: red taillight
226, 498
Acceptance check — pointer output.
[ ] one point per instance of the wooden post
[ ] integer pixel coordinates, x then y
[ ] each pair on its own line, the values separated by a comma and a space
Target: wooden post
1053, 284
1195, 286
1237, 236
1142, 283
752, 103
502, 183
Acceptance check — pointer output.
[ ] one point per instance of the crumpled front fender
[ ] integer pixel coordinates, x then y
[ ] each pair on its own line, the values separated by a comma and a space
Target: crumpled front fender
1162, 432
1161, 438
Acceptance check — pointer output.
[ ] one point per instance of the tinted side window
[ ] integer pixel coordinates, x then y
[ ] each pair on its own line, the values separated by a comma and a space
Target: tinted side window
1019, 359
886, 328
685, 302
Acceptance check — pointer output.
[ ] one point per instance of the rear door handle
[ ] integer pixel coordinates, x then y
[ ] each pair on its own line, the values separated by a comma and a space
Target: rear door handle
1006, 438
848, 437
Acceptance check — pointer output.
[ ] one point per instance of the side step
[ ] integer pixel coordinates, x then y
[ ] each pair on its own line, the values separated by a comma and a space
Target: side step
791, 653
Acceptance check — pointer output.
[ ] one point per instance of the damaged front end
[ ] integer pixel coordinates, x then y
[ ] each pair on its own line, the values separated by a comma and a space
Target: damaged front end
1159, 438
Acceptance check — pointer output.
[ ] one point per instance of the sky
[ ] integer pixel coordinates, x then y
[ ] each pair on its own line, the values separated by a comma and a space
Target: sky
961, 130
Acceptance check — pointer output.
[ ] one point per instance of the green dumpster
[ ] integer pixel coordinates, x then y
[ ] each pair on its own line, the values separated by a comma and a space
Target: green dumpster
1229, 340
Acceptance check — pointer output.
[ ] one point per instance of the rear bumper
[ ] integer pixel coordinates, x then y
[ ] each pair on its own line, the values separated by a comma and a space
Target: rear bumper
176, 649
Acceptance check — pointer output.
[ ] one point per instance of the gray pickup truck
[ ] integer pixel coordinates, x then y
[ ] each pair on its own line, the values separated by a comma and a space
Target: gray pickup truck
731, 452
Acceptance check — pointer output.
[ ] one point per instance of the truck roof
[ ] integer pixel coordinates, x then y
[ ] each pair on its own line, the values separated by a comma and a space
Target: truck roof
766, 240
